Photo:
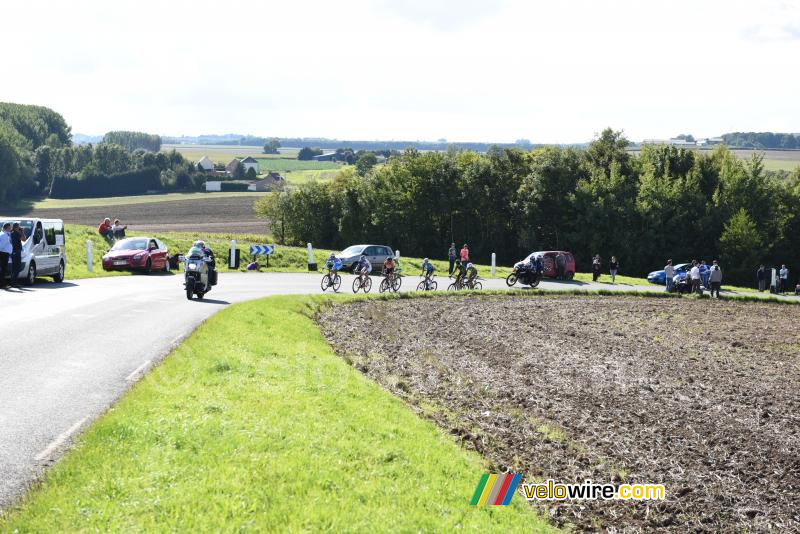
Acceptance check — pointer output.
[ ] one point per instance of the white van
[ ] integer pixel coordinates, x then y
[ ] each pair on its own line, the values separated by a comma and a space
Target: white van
44, 251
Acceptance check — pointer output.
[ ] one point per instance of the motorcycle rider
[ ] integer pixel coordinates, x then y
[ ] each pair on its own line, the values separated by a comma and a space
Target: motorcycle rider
534, 264
208, 257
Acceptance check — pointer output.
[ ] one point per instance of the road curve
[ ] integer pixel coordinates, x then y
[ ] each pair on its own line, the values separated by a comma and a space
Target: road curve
68, 351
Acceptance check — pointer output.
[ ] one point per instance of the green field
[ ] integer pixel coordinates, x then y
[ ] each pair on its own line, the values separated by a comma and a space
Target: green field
225, 153
57, 203
273, 432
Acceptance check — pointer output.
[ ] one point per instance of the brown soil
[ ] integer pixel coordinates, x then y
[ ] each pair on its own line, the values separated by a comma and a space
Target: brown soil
701, 396
215, 215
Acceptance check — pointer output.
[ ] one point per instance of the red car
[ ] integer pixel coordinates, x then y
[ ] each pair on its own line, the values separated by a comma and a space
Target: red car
146, 254
550, 259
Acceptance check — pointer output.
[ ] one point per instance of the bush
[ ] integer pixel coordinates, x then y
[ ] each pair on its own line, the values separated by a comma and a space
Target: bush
119, 184
234, 186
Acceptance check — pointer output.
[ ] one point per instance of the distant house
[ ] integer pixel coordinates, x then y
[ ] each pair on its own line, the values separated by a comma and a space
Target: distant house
266, 184
249, 163
330, 156
206, 164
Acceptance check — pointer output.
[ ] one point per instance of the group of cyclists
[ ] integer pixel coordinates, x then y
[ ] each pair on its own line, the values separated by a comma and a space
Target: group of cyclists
465, 275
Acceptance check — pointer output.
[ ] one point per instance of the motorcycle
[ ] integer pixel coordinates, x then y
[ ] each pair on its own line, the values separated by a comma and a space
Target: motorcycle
523, 275
197, 277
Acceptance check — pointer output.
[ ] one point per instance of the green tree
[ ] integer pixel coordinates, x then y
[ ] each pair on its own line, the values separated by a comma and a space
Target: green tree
239, 171
741, 247
272, 145
308, 153
251, 173
365, 163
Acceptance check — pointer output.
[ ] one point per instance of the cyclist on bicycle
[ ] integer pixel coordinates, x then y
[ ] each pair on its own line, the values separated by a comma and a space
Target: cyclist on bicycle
388, 266
427, 272
333, 264
364, 267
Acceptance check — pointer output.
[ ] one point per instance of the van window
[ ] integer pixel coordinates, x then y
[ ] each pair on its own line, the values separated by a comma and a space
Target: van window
50, 233
38, 234
59, 231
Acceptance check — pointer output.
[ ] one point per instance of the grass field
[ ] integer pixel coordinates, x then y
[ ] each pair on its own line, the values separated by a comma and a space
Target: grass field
57, 203
308, 175
224, 153
271, 432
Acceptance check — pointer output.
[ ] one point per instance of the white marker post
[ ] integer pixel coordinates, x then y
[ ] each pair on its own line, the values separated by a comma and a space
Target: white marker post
396, 255
494, 264
312, 265
89, 255
232, 259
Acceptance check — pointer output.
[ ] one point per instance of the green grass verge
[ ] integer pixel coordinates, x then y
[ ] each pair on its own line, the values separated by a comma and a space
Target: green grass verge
254, 424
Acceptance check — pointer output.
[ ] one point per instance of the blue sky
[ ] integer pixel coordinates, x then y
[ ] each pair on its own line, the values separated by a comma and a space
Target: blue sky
408, 69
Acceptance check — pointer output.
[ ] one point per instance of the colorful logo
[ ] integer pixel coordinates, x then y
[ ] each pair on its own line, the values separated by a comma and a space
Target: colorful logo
495, 489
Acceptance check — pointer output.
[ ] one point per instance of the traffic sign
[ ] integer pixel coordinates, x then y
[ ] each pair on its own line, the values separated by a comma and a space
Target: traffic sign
262, 249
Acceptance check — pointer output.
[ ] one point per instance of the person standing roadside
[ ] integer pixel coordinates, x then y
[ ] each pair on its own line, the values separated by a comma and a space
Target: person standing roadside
5, 253
694, 275
704, 274
17, 237
561, 265
784, 275
596, 266
669, 274
465, 254
715, 278
613, 266
761, 276
451, 255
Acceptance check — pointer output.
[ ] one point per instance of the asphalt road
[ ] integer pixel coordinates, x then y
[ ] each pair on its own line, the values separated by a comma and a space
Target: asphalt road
68, 351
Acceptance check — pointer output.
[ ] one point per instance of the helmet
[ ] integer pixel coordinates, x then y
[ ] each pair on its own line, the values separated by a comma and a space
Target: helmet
363, 255
425, 260
195, 252
332, 256
389, 258
200, 244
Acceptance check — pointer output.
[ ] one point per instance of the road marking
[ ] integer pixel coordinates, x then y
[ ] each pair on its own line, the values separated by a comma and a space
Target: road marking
137, 371
56, 443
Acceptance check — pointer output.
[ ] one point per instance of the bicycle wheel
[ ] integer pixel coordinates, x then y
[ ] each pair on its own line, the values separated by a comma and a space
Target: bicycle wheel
434, 285
337, 282
325, 283
384, 285
421, 286
356, 285
367, 284
396, 283
477, 285
452, 287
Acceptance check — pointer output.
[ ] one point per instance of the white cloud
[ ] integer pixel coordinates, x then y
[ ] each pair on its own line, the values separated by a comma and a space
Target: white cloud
469, 70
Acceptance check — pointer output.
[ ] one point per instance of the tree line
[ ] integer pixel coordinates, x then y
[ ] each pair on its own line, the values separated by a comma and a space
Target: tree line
666, 202
37, 158
762, 140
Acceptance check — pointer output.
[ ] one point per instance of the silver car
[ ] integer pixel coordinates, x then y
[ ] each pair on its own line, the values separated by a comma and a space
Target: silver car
44, 252
376, 254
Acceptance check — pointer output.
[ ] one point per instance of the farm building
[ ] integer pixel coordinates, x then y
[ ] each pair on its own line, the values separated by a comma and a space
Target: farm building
248, 162
266, 184
330, 156
205, 164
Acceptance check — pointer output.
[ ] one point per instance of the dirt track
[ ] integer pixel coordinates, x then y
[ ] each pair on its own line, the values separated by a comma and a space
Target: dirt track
219, 215
702, 396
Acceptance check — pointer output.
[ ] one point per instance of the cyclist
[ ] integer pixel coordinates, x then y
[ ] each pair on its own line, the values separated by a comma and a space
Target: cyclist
388, 267
364, 267
333, 264
460, 271
427, 272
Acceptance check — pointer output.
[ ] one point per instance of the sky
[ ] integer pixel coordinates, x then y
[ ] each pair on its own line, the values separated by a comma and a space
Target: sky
461, 70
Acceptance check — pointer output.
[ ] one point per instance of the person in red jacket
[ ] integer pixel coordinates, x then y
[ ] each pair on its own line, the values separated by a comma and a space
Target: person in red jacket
465, 254
105, 229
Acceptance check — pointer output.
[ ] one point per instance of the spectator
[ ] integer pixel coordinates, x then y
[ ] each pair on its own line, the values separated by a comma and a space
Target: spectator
797, 290
715, 278
694, 275
561, 265
118, 230
596, 266
17, 238
669, 274
704, 274
761, 275
613, 265
5, 253
784, 275
254, 266
465, 254
451, 255
106, 230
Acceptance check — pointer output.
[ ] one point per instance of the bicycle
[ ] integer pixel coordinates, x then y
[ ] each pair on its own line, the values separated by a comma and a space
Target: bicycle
430, 286
458, 284
362, 282
331, 279
390, 282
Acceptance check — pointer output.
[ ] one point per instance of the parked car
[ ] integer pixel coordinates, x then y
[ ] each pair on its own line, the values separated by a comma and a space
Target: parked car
376, 254
549, 262
146, 254
658, 277
44, 251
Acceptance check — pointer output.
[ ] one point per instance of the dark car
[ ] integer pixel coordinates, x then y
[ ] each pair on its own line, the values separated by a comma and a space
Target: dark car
550, 259
658, 277
376, 254
144, 254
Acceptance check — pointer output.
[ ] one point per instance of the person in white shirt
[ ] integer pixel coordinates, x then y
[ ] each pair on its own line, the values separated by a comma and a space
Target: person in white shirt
5, 252
784, 276
695, 276
669, 274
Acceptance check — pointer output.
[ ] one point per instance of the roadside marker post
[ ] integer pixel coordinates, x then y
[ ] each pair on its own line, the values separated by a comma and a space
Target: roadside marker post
89, 255
312, 265
232, 255
494, 264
